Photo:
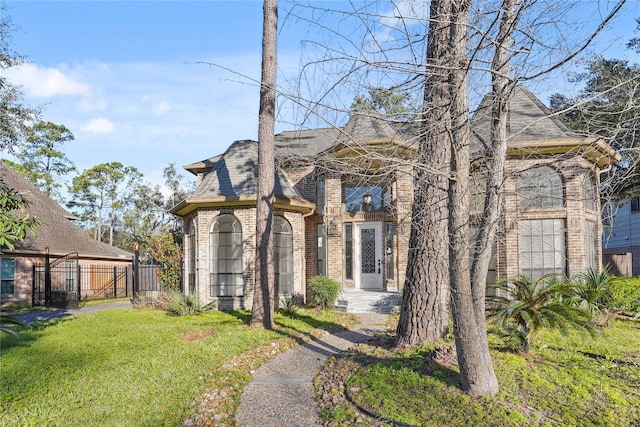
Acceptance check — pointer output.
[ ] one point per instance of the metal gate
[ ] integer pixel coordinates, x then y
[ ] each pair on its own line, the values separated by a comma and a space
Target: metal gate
57, 283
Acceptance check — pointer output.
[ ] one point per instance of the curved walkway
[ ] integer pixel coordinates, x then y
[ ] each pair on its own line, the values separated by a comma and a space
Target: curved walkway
281, 391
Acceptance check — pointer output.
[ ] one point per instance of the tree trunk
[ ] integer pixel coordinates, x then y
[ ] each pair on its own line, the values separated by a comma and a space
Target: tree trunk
474, 359
263, 304
424, 314
496, 153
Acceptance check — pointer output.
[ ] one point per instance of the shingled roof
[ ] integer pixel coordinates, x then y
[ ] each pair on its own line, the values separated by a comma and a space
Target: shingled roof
57, 232
528, 119
533, 128
233, 178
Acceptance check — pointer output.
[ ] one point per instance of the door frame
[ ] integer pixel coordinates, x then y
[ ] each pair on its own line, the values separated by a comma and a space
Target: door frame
379, 280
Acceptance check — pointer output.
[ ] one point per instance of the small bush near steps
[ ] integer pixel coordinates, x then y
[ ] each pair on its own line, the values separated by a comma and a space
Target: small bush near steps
325, 291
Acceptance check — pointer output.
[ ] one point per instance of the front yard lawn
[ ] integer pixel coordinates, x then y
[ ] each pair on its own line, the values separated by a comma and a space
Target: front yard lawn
573, 380
125, 367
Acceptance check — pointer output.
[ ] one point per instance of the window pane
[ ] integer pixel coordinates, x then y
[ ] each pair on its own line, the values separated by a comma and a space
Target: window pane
359, 198
589, 193
7, 275
388, 251
348, 251
590, 245
321, 250
226, 256
478, 189
541, 188
320, 193
542, 247
283, 255
8, 268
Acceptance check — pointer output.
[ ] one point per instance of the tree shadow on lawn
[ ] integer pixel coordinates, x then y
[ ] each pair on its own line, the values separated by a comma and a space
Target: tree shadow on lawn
302, 337
24, 338
439, 362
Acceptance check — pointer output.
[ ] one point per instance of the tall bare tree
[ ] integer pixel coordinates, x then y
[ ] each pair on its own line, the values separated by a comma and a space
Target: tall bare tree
474, 359
483, 47
263, 304
424, 315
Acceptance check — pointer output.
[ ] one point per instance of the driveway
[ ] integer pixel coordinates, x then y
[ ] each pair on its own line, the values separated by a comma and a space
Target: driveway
59, 313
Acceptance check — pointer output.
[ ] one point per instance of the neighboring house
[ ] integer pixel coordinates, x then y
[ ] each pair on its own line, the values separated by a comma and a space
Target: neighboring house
60, 237
344, 196
621, 242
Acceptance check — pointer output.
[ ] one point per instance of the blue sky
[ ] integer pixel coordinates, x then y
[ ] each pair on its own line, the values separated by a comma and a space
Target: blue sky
126, 77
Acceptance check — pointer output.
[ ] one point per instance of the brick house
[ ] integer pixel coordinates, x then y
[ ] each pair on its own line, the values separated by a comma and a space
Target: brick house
343, 205
58, 235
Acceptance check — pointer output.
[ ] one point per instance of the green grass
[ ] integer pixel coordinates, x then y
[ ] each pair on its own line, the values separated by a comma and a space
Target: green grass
21, 307
13, 308
568, 381
123, 367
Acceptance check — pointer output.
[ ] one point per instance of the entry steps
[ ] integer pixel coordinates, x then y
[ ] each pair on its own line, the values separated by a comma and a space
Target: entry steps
364, 301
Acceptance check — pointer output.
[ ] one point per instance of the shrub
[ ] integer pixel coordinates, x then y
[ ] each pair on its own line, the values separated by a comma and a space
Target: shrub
182, 304
168, 253
325, 291
625, 295
291, 303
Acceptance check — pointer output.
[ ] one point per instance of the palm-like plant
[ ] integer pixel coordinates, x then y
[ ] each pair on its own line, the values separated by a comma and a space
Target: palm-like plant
6, 321
525, 307
593, 290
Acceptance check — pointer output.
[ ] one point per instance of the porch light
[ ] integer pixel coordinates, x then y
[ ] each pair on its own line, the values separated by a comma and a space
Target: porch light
333, 227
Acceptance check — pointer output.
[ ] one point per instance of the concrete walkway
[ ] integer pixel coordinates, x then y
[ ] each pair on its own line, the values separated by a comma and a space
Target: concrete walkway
59, 313
281, 391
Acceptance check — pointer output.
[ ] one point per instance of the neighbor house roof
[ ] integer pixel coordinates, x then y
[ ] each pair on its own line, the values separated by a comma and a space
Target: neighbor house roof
57, 232
233, 181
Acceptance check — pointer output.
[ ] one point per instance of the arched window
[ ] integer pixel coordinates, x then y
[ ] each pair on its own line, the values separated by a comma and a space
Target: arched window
541, 188
191, 258
282, 256
589, 193
226, 257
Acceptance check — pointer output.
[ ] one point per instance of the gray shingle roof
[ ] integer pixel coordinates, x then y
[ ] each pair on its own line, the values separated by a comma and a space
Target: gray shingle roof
57, 232
528, 119
307, 142
363, 127
234, 175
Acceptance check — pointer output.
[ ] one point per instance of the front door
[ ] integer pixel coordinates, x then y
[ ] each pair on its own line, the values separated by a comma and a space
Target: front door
368, 256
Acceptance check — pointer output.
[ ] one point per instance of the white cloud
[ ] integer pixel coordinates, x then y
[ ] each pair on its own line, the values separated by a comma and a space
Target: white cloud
45, 82
161, 108
99, 125
92, 104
